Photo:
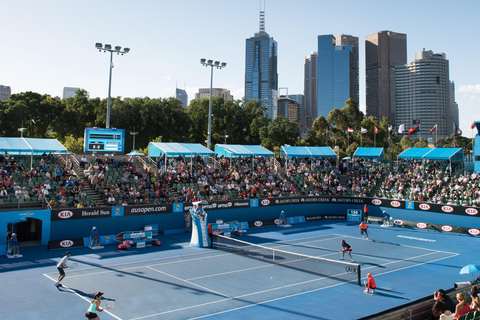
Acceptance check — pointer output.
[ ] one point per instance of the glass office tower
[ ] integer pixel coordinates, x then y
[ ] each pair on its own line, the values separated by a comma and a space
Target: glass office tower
333, 70
261, 77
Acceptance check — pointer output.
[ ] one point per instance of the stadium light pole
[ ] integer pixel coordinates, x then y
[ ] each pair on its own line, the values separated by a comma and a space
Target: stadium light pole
118, 50
133, 133
218, 65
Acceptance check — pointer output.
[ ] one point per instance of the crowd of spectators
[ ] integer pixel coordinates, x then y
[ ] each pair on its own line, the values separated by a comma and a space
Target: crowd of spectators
120, 182
431, 182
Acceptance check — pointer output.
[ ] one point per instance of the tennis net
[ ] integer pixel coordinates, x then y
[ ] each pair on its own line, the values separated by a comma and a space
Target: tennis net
339, 270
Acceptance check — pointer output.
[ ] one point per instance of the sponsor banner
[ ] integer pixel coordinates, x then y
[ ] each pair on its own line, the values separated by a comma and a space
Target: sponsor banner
254, 203
335, 216
261, 223
313, 218
304, 200
299, 219
410, 205
219, 205
65, 244
445, 208
117, 212
438, 227
83, 213
148, 209
178, 207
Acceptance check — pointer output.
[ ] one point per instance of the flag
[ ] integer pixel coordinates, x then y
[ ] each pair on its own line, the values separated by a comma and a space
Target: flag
457, 132
401, 128
350, 129
364, 130
390, 129
433, 129
472, 126
376, 130
413, 130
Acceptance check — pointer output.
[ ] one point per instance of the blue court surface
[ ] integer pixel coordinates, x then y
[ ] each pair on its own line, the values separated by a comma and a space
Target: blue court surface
176, 281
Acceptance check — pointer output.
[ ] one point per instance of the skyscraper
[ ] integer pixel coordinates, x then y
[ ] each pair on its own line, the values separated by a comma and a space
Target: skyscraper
384, 52
301, 112
333, 74
424, 95
69, 92
182, 95
216, 92
5, 92
310, 89
261, 77
348, 40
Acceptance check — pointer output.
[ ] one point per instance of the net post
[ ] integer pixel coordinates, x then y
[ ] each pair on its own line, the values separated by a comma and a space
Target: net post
359, 277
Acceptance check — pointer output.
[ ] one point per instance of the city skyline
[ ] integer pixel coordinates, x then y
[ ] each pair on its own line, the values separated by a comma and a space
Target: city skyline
50, 45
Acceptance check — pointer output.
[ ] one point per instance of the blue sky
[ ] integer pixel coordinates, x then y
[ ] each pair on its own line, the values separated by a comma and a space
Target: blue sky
47, 45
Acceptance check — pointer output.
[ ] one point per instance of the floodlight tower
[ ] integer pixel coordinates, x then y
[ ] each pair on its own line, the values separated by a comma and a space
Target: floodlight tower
117, 50
218, 65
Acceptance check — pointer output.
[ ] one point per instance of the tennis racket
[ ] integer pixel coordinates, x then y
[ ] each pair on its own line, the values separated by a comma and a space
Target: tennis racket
73, 265
110, 305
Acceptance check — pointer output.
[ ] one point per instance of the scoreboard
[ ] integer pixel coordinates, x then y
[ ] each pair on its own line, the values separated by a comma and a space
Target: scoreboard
104, 140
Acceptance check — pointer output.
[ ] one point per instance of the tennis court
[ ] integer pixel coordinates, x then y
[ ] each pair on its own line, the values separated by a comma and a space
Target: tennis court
182, 282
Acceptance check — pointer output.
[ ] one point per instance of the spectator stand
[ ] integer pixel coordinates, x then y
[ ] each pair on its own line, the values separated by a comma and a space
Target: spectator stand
19, 154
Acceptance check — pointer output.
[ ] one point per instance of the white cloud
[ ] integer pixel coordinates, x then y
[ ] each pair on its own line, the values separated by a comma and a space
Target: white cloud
469, 88
165, 78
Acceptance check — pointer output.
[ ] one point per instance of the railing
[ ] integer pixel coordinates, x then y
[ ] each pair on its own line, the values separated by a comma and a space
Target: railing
212, 162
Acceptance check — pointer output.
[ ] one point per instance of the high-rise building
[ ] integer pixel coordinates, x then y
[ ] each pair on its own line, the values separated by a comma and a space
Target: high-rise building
261, 77
182, 95
348, 40
216, 92
288, 108
424, 95
5, 92
384, 52
69, 92
300, 99
310, 89
333, 74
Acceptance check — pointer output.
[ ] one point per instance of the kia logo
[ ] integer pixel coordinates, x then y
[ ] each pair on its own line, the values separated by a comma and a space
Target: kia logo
65, 214
277, 221
398, 222
447, 209
351, 269
421, 225
66, 243
395, 204
377, 202
447, 228
424, 206
471, 211
474, 232
258, 223
265, 202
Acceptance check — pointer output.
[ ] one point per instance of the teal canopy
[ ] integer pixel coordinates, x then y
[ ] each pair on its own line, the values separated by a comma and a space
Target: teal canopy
236, 150
173, 149
310, 152
31, 146
369, 153
432, 154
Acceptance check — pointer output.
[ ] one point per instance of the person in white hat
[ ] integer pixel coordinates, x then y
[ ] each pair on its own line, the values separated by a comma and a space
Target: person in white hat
95, 236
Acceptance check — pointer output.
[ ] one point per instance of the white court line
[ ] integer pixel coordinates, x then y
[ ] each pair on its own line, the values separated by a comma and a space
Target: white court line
402, 245
84, 298
136, 267
191, 283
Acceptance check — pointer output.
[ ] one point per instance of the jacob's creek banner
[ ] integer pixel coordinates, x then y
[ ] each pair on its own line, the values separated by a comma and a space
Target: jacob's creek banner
102, 212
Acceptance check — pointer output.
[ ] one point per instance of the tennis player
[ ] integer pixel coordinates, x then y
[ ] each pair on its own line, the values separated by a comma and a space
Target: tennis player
346, 248
61, 266
94, 307
363, 229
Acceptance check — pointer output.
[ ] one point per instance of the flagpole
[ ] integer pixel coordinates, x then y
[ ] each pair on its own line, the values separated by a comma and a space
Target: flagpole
374, 137
436, 135
454, 134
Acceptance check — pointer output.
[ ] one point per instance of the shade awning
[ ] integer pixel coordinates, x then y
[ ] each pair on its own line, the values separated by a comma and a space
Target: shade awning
311, 152
35, 146
236, 150
369, 153
174, 149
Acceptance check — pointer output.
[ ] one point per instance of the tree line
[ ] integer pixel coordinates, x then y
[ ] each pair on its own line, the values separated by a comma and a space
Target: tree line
165, 120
